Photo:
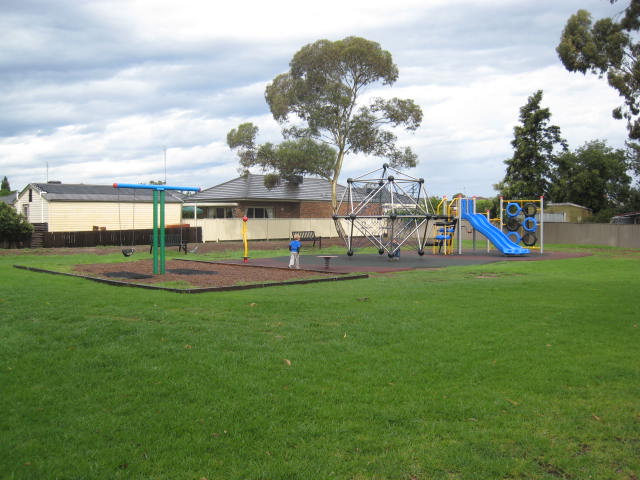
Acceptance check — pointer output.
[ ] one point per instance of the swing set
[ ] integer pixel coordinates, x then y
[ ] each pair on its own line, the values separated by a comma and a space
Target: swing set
159, 241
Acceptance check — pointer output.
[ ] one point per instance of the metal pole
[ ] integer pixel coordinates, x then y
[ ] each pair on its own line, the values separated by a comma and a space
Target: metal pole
541, 224
488, 213
350, 249
162, 239
459, 225
474, 230
155, 232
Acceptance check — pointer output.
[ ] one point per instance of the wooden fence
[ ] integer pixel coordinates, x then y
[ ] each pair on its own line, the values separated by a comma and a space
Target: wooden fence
96, 238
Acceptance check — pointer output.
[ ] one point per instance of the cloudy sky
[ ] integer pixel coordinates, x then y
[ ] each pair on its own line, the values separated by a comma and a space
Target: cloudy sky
97, 91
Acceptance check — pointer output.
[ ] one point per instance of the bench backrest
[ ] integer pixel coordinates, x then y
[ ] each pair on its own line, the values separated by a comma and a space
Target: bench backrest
305, 235
174, 239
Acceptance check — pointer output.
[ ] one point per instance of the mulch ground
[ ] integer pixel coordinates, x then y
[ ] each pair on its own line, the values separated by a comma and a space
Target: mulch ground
196, 274
186, 274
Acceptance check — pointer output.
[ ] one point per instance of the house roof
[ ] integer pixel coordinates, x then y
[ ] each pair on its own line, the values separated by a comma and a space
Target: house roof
567, 204
10, 199
67, 192
251, 187
629, 214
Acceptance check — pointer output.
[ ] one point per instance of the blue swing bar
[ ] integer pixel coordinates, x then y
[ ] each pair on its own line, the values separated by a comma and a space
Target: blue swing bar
155, 187
158, 210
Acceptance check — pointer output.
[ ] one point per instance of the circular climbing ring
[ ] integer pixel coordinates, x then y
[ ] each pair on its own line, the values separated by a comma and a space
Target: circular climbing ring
513, 225
529, 209
513, 209
529, 239
530, 224
514, 237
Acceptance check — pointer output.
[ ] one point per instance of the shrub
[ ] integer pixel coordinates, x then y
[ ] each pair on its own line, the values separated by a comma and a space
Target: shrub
14, 228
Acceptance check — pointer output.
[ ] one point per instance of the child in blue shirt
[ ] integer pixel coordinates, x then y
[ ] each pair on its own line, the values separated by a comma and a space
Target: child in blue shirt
294, 248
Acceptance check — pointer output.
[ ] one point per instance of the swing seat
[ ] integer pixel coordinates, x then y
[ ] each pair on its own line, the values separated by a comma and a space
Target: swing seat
127, 252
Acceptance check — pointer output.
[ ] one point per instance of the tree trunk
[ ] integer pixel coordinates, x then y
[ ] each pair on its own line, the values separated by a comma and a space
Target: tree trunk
334, 181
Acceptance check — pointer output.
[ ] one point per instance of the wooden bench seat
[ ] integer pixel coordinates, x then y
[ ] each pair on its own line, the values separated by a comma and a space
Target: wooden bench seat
170, 241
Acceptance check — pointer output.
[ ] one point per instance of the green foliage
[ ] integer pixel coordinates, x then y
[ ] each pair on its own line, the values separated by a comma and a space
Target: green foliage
14, 227
607, 47
5, 188
535, 145
492, 204
594, 176
283, 161
243, 140
320, 96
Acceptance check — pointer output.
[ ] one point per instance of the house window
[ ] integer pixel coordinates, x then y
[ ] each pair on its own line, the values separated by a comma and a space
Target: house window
259, 212
217, 212
30, 195
208, 212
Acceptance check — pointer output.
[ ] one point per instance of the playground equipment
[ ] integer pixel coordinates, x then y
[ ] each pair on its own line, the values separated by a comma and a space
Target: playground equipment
391, 209
521, 222
386, 207
158, 219
495, 235
444, 228
127, 251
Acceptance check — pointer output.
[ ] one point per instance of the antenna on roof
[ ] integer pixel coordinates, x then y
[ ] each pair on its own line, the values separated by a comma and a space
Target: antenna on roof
165, 164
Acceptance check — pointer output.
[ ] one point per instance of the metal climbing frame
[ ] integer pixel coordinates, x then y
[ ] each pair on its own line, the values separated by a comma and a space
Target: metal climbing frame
388, 208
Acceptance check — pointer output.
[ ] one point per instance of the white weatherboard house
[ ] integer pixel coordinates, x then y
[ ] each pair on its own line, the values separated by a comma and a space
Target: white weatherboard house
79, 207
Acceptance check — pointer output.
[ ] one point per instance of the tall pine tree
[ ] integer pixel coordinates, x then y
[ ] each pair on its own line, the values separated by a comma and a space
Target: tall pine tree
536, 144
5, 189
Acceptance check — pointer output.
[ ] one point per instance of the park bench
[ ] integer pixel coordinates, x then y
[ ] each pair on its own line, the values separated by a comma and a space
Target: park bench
308, 236
170, 241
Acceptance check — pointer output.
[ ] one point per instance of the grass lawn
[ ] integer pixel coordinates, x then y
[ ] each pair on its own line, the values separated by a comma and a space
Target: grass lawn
520, 370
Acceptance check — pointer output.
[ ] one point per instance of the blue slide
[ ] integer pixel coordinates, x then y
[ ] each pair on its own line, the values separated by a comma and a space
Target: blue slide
495, 235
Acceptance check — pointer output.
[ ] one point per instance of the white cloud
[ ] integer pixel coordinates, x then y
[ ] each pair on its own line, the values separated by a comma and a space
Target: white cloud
96, 90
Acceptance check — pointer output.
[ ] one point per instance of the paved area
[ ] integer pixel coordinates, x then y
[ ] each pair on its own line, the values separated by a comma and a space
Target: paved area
407, 261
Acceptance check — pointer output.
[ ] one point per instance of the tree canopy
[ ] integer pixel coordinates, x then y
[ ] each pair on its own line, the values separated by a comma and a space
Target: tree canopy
594, 175
608, 47
14, 227
319, 104
285, 160
5, 188
536, 144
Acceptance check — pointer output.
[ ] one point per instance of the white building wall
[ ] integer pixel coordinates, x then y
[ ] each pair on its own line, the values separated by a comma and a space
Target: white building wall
83, 216
220, 230
36, 211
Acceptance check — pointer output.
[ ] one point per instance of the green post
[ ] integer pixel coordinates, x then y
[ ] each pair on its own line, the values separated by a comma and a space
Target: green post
162, 239
155, 232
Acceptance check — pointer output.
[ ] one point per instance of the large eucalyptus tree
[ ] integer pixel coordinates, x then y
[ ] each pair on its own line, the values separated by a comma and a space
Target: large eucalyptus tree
322, 101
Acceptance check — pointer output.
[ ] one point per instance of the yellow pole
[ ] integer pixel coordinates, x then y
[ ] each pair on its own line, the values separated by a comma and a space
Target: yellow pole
244, 239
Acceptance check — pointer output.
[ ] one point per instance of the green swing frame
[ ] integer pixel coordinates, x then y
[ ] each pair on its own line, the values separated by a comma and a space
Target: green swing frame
159, 199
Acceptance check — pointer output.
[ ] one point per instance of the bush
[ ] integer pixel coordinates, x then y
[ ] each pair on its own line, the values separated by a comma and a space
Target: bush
14, 228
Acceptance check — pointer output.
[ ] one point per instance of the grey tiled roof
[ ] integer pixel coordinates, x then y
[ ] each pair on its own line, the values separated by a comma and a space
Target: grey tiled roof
67, 192
10, 199
251, 187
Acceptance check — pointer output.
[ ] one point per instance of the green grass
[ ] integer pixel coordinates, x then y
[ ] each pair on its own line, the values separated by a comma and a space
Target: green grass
518, 370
